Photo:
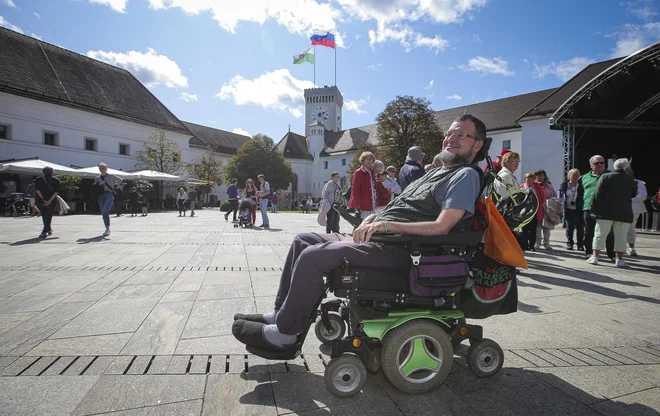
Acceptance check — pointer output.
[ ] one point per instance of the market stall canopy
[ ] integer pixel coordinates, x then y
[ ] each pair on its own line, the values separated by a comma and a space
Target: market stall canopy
153, 175
93, 171
35, 166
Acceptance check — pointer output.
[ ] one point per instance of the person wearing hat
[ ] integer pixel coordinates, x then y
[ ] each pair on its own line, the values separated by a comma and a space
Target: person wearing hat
497, 164
390, 182
413, 168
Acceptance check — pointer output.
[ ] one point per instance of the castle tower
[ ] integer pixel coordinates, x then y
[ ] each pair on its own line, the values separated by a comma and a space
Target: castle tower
323, 105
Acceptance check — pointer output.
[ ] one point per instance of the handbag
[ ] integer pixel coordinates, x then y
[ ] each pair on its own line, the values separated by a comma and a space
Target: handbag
500, 243
434, 276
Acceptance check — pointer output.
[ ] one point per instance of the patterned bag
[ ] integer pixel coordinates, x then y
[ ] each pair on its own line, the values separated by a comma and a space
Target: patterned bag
438, 275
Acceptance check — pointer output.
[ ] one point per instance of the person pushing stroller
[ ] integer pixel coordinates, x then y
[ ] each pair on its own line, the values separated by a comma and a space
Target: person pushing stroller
245, 206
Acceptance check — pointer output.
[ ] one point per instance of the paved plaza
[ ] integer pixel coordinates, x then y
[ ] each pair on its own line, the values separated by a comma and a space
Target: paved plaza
140, 324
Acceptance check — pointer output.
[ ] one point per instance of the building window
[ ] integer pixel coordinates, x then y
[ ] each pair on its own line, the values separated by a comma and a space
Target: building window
51, 139
506, 145
91, 145
343, 162
342, 181
4, 131
325, 164
124, 149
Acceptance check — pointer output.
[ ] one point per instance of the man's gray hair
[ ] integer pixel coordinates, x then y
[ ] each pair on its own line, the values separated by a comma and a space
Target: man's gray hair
436, 160
378, 165
594, 157
622, 163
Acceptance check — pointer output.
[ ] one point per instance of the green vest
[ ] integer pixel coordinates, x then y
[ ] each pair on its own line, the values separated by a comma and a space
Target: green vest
589, 183
417, 202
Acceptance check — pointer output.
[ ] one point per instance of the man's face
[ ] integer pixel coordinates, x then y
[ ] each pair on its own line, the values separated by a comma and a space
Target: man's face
103, 169
598, 165
460, 145
391, 173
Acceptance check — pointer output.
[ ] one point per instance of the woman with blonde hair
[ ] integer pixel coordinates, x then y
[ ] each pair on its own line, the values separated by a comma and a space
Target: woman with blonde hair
507, 183
571, 195
106, 184
363, 186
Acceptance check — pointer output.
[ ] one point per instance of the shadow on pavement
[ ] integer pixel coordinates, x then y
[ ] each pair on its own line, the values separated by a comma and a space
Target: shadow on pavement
90, 240
35, 240
580, 274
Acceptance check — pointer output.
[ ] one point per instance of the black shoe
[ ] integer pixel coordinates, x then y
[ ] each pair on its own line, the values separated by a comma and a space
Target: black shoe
252, 334
252, 317
43, 235
50, 232
227, 217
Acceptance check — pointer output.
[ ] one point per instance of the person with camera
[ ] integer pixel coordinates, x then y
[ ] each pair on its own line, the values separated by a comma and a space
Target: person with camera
571, 194
106, 185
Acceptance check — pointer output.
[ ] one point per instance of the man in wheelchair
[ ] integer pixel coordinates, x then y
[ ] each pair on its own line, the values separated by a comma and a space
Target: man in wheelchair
433, 205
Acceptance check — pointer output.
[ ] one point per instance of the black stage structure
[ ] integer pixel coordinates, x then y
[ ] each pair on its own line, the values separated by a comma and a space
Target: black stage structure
616, 114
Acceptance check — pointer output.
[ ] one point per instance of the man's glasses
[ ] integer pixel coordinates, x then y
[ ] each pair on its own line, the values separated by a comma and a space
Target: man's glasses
460, 135
598, 163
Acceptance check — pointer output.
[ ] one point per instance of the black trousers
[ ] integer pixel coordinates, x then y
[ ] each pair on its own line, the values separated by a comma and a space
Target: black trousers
46, 215
134, 207
332, 221
589, 231
118, 206
233, 208
529, 234
574, 222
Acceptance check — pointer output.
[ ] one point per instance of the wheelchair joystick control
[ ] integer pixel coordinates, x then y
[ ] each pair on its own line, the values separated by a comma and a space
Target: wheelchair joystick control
415, 256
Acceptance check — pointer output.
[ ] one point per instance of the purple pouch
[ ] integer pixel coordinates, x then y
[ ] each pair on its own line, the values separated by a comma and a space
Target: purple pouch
438, 275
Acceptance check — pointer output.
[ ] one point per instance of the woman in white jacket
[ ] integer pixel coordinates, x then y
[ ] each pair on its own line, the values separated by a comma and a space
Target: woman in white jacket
638, 208
508, 183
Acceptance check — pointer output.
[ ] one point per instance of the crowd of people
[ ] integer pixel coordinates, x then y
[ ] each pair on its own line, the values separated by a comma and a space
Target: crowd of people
260, 197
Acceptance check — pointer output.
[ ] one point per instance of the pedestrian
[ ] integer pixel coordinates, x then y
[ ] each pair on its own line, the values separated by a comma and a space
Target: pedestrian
391, 183
181, 200
589, 182
144, 202
529, 230
413, 168
250, 191
543, 229
119, 198
506, 183
47, 189
133, 198
612, 208
496, 165
32, 191
331, 195
363, 187
264, 193
232, 193
571, 194
638, 208
383, 195
192, 200
106, 185
273, 202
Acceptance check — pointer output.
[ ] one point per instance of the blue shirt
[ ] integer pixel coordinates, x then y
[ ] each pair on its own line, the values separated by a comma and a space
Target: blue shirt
232, 191
410, 172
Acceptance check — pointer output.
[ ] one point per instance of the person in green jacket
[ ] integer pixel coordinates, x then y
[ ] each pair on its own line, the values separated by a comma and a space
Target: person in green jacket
589, 182
612, 208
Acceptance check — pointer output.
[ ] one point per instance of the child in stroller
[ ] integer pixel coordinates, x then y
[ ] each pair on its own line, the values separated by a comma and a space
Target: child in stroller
245, 213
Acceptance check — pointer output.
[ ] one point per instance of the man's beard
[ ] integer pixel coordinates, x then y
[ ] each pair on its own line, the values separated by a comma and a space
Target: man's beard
457, 158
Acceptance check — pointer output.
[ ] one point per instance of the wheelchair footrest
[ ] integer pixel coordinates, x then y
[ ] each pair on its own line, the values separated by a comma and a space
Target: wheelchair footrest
271, 355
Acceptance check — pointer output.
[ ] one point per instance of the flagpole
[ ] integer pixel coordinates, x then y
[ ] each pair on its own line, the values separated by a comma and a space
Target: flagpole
335, 56
314, 66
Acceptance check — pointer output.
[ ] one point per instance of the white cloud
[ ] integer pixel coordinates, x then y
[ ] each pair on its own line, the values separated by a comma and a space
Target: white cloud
150, 68
116, 5
430, 85
188, 97
37, 15
356, 106
297, 16
240, 131
407, 37
454, 97
477, 38
488, 66
6, 24
10, 3
375, 67
277, 90
564, 70
35, 36
633, 37
641, 8
440, 11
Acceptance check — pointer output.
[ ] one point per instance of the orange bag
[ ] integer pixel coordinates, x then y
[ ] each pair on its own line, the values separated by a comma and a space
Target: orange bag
500, 243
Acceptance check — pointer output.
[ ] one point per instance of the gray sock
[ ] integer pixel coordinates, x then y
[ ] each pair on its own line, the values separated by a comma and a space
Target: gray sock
275, 337
271, 317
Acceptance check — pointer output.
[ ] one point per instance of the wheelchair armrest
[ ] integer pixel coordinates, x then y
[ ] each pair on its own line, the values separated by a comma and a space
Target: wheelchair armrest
343, 212
465, 238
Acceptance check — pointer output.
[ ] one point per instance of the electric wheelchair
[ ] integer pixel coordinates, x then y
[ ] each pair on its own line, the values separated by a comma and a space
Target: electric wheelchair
374, 322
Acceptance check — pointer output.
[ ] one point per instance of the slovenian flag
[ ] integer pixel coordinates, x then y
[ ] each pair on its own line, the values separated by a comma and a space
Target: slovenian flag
324, 38
308, 56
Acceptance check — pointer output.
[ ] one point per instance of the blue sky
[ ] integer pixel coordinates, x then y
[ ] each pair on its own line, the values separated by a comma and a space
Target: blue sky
226, 65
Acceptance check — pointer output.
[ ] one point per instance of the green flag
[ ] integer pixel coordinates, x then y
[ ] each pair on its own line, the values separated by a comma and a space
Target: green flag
308, 56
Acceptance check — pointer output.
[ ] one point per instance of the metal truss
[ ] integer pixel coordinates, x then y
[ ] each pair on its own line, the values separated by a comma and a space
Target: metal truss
642, 108
608, 124
568, 135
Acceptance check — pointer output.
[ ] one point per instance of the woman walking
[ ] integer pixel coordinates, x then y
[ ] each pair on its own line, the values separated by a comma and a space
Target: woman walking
543, 230
181, 200
363, 187
106, 184
571, 194
250, 191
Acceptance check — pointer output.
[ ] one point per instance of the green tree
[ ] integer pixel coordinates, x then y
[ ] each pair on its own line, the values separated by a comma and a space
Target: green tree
69, 183
355, 162
208, 169
408, 121
160, 154
259, 155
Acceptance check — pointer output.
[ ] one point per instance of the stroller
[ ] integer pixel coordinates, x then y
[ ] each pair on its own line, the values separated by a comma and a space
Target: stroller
17, 204
244, 218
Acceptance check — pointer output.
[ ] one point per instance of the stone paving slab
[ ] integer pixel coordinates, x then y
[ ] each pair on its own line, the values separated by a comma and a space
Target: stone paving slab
144, 318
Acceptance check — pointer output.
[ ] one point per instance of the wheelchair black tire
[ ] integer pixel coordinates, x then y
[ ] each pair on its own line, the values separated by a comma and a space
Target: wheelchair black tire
485, 358
345, 376
336, 322
391, 352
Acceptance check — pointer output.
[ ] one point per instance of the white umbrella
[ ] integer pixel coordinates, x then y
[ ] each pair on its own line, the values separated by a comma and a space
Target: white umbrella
93, 171
36, 166
153, 175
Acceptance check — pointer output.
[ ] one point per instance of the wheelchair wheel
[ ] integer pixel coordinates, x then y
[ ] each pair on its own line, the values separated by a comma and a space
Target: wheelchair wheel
485, 358
345, 376
417, 356
338, 329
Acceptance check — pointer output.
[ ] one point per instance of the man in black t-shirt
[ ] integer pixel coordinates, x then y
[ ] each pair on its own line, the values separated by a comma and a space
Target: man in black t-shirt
48, 187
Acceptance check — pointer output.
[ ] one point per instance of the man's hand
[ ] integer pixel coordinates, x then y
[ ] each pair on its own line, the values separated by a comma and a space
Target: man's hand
363, 233
101, 182
369, 219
